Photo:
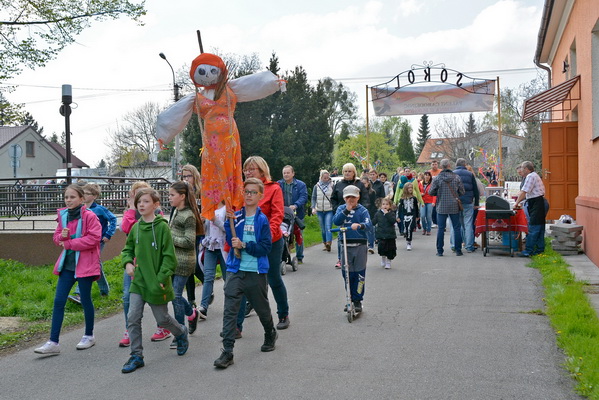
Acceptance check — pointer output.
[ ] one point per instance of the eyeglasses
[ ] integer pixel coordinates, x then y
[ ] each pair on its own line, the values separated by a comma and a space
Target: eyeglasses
250, 192
245, 171
186, 176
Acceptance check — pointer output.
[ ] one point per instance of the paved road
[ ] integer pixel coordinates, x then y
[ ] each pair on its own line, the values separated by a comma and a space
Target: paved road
432, 328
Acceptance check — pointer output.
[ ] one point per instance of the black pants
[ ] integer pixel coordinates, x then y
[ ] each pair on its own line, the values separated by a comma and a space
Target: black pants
409, 225
254, 287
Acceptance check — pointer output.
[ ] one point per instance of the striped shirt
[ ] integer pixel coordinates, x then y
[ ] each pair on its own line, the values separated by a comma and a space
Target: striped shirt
533, 186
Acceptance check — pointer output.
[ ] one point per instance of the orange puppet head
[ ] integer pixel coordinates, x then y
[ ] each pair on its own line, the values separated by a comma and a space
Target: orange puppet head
208, 70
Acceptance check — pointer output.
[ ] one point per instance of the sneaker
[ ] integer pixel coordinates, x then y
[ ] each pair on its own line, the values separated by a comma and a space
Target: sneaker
49, 347
248, 309
132, 364
161, 334
434, 226
388, 265
453, 249
182, 342
358, 306
270, 339
86, 342
125, 342
75, 298
371, 250
173, 344
193, 321
338, 265
225, 359
409, 246
283, 323
439, 254
459, 253
300, 261
328, 246
203, 313
383, 262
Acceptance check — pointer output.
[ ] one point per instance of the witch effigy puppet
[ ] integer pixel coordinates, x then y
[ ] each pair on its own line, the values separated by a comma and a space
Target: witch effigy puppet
214, 102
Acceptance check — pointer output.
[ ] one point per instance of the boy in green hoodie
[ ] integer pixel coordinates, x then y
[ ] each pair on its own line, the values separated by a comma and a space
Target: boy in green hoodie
149, 258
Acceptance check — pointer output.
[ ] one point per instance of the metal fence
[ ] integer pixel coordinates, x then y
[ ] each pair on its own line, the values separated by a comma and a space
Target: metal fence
19, 199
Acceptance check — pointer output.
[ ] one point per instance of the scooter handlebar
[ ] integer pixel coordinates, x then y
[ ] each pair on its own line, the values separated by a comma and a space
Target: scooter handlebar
342, 229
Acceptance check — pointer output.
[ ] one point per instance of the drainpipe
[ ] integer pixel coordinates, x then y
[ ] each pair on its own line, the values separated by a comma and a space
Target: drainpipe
541, 39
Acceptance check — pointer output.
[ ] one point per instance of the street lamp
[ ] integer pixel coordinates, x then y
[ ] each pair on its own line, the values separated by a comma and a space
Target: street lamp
175, 161
65, 110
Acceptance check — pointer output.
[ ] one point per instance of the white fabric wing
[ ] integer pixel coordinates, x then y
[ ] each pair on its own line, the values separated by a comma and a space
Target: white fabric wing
173, 120
255, 86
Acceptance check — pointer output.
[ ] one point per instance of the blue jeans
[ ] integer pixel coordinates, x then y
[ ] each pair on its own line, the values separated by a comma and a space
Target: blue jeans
66, 280
126, 286
102, 282
455, 222
211, 258
466, 217
180, 305
325, 219
535, 240
426, 215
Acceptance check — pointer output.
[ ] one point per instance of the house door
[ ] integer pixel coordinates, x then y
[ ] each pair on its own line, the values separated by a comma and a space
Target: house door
560, 167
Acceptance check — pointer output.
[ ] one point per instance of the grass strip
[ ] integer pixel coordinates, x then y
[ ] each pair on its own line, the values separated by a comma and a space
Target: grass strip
574, 320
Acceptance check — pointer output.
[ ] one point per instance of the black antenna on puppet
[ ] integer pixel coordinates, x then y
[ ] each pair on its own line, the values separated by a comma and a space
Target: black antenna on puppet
200, 41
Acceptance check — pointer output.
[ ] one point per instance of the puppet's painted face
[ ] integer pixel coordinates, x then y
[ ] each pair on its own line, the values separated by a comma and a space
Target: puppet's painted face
206, 75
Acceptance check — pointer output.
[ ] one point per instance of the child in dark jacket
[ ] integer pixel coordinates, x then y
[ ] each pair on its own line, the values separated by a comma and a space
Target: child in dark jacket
247, 270
384, 221
408, 209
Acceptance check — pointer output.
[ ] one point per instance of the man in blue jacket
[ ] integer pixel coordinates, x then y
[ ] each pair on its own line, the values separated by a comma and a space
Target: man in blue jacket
470, 200
295, 196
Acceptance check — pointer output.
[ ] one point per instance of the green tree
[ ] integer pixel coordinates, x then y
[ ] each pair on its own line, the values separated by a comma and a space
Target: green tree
424, 134
33, 33
379, 150
10, 114
471, 126
405, 149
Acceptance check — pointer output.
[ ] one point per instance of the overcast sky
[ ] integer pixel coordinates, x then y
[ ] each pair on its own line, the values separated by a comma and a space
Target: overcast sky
114, 67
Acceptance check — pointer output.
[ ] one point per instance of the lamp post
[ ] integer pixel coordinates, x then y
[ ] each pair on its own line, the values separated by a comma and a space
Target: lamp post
175, 161
65, 110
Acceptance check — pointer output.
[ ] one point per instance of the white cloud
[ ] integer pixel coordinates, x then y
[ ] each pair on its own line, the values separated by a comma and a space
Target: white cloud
408, 8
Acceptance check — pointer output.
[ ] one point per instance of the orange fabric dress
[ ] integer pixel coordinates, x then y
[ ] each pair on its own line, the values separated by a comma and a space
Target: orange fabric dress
220, 154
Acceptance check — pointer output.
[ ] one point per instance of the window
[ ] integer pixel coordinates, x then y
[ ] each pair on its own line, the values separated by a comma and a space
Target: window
30, 149
439, 142
434, 155
440, 155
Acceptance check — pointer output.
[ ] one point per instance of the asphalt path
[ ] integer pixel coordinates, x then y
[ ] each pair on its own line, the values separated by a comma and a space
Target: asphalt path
432, 328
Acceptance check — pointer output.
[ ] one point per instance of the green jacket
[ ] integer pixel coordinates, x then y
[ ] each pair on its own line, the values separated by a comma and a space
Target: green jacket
151, 246
183, 229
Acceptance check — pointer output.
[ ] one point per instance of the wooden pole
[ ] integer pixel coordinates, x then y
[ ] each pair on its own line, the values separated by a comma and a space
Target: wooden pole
200, 41
367, 133
500, 177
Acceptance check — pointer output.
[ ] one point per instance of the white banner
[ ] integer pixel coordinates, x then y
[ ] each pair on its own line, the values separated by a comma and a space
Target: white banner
437, 99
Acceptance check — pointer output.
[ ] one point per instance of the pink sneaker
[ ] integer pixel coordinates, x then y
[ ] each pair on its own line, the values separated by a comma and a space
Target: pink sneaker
125, 342
161, 334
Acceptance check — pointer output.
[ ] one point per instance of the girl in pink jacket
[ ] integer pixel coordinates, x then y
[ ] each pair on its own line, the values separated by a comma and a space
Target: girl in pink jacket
78, 233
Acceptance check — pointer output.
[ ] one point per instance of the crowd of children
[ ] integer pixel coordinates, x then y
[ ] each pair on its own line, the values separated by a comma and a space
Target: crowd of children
161, 256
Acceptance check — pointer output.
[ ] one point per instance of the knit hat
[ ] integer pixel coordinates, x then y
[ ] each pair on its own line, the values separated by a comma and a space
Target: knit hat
209, 59
351, 191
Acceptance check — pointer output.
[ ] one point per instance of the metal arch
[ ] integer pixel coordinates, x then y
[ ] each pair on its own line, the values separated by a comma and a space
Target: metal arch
475, 85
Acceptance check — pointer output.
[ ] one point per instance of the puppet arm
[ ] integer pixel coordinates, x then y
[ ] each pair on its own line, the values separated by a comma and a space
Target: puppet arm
173, 120
256, 86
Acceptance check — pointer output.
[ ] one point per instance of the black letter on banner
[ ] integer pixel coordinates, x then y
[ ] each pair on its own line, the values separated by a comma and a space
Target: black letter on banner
443, 75
460, 75
411, 77
427, 74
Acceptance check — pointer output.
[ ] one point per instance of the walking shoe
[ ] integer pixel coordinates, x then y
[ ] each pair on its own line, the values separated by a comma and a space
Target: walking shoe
453, 249
225, 359
383, 261
424, 232
193, 321
328, 246
203, 313
270, 338
49, 347
132, 364
300, 261
75, 298
173, 344
388, 265
161, 334
409, 246
439, 254
428, 233
324, 246
338, 265
248, 309
125, 342
86, 342
182, 342
459, 253
434, 226
358, 306
371, 250
283, 323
